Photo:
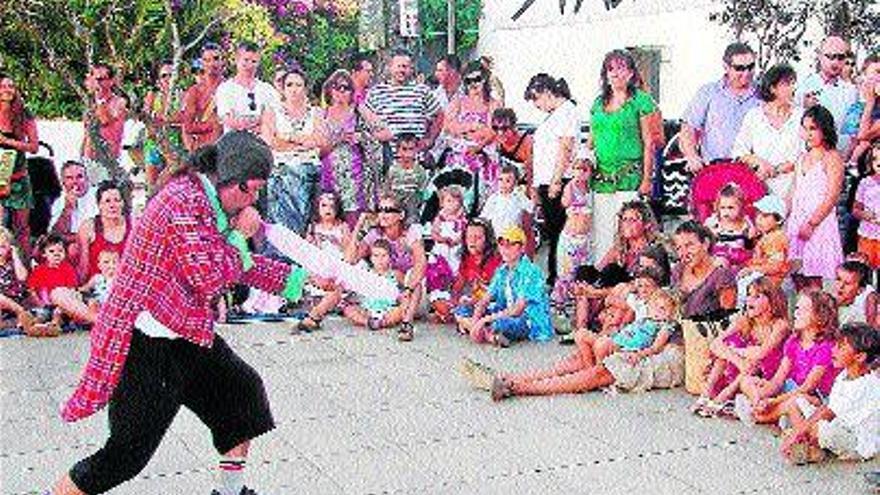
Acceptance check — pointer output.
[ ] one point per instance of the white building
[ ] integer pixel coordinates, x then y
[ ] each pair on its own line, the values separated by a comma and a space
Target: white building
684, 47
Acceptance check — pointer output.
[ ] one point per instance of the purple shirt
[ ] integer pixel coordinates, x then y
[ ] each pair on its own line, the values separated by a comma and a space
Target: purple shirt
718, 114
804, 360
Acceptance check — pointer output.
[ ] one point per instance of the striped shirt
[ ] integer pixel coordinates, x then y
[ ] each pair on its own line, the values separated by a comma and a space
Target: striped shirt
407, 108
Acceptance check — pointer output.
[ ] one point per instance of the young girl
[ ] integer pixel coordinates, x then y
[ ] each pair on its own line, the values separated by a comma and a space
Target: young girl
377, 313
731, 227
806, 366
329, 232
444, 259
867, 209
751, 345
13, 276
573, 249
812, 228
849, 425
479, 261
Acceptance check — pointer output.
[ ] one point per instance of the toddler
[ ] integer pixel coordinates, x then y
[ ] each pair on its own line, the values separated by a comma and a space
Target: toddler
509, 206
849, 424
444, 259
731, 227
573, 249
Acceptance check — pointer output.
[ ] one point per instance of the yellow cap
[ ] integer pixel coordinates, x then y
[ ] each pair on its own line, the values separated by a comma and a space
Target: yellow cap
513, 234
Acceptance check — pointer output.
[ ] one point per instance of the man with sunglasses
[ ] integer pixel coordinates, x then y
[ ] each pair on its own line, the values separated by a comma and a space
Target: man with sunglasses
104, 124
242, 99
718, 109
198, 115
827, 87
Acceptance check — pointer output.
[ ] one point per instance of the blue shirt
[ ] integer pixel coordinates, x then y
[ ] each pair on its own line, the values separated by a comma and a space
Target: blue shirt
524, 282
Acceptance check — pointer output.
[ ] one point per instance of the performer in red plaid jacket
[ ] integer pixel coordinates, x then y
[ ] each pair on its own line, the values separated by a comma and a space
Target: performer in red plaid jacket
154, 349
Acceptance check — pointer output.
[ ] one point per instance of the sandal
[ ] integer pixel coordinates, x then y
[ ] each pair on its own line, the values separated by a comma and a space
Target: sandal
405, 332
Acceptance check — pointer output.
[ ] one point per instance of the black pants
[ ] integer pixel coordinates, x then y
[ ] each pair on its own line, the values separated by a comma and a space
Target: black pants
554, 221
161, 375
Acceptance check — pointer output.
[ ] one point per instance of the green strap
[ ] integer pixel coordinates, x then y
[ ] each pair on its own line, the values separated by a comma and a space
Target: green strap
235, 238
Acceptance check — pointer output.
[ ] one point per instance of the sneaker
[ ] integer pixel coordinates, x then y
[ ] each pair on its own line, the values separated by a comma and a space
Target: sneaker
477, 374
742, 408
405, 332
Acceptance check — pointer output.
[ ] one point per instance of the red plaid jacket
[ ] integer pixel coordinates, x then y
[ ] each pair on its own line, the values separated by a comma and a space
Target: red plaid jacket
175, 266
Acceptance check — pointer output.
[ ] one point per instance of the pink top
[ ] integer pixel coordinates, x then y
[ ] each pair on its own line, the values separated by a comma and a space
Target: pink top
804, 360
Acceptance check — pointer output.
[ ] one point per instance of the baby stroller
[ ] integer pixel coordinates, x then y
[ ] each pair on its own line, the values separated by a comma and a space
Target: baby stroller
712, 178
46, 189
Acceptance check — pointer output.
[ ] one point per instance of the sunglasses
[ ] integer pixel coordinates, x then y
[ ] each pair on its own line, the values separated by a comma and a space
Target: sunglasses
836, 56
743, 68
388, 209
253, 101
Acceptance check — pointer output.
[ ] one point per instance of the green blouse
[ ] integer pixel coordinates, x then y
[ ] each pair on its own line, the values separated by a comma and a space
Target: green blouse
617, 139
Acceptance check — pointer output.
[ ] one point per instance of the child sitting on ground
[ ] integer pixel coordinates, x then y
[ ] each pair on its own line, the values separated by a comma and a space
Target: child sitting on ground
378, 313
406, 177
14, 297
447, 231
848, 425
97, 288
770, 257
510, 207
516, 306
731, 227
806, 367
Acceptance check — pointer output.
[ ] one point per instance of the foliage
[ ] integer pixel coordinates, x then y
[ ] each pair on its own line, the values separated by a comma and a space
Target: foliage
433, 19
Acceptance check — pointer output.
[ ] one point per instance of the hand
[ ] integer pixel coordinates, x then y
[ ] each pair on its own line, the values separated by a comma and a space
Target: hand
806, 231
694, 164
248, 222
555, 189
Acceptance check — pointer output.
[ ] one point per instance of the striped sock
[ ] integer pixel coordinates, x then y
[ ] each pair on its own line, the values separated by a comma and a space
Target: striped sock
231, 475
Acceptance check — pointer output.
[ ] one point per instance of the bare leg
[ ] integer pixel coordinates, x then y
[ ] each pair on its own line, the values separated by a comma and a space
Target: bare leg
71, 302
573, 383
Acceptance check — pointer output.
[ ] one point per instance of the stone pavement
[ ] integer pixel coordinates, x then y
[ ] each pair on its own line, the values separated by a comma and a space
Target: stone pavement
360, 413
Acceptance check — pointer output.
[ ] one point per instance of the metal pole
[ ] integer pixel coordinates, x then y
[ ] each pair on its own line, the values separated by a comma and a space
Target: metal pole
450, 27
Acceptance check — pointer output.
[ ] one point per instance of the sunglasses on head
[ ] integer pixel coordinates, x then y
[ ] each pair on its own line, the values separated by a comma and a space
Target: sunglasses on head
743, 68
837, 56
252, 105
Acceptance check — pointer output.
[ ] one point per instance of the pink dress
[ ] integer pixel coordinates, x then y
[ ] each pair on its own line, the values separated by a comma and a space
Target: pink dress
820, 255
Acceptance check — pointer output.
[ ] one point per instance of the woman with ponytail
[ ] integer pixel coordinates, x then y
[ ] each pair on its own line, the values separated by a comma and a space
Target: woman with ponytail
553, 153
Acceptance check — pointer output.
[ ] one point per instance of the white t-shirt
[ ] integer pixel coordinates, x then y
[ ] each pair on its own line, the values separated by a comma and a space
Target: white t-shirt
505, 210
856, 404
86, 207
837, 97
562, 122
232, 98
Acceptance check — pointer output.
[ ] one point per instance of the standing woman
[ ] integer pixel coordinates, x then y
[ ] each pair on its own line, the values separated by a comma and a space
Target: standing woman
620, 130
553, 152
294, 131
18, 135
812, 227
343, 168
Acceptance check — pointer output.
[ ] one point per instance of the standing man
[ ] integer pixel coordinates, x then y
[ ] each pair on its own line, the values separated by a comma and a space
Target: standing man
240, 101
827, 87
199, 114
104, 122
404, 106
154, 348
718, 109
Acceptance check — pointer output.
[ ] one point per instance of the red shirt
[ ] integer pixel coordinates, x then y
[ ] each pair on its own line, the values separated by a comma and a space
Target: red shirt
45, 278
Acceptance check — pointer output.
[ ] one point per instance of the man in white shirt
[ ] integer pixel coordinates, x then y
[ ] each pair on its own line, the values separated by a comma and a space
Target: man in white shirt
76, 204
240, 101
826, 87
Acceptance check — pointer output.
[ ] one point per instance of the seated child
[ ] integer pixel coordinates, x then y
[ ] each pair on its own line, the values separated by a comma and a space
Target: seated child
406, 178
731, 227
770, 257
447, 231
53, 282
751, 345
806, 367
377, 313
848, 425
516, 306
509, 206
